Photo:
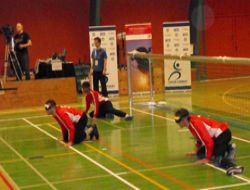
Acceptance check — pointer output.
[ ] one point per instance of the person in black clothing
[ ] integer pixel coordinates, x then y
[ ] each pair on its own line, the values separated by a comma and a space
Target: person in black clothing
22, 42
99, 67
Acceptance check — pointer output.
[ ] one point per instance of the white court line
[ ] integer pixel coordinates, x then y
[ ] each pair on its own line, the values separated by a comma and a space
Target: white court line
86, 157
240, 139
20, 118
29, 164
16, 127
103, 176
225, 186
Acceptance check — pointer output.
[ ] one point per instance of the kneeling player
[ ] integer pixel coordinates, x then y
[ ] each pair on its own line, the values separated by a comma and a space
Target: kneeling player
213, 140
103, 106
73, 123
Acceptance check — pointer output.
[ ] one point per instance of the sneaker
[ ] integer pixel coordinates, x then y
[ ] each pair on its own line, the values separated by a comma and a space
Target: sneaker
128, 118
94, 133
235, 170
232, 152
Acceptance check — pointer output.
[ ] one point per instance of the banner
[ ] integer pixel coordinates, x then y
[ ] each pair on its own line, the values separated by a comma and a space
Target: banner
139, 38
108, 37
176, 36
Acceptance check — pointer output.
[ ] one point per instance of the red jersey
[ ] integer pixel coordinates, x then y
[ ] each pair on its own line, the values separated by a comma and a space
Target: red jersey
206, 131
67, 117
94, 97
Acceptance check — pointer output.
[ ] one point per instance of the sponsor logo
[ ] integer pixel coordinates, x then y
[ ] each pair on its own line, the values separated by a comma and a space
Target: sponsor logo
176, 74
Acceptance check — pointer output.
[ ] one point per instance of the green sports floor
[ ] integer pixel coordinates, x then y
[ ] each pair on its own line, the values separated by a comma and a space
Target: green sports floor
146, 153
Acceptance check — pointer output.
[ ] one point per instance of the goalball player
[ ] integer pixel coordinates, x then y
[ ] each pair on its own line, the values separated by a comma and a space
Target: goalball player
73, 123
213, 141
103, 106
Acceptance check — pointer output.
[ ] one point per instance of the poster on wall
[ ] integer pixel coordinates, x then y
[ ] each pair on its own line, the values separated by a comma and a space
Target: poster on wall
139, 39
176, 41
108, 37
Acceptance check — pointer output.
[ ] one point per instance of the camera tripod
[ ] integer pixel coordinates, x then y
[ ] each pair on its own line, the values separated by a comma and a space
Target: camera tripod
11, 61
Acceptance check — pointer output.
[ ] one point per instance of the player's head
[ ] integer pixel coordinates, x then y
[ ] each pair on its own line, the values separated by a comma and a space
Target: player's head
85, 87
182, 117
50, 106
19, 27
97, 42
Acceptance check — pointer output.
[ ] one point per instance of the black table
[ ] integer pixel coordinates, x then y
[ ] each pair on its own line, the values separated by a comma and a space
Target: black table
45, 71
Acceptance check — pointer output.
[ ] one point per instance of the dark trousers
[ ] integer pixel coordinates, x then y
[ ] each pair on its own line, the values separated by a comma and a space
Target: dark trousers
98, 76
221, 146
23, 59
221, 143
80, 134
107, 108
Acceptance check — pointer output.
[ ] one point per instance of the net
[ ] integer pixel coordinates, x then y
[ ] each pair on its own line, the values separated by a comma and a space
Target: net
220, 85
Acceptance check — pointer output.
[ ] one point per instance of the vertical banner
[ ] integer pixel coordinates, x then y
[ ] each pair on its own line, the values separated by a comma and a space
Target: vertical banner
108, 37
139, 38
176, 36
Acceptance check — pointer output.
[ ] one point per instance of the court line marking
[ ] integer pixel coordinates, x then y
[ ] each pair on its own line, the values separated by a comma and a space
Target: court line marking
132, 108
85, 156
232, 105
103, 176
225, 186
120, 163
31, 157
146, 165
238, 138
20, 118
7, 179
128, 167
29, 164
119, 173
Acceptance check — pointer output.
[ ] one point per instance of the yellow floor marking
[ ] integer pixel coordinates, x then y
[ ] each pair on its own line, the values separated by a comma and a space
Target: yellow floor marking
120, 163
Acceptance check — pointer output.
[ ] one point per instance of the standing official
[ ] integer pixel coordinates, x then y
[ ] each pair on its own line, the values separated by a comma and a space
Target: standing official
99, 67
22, 42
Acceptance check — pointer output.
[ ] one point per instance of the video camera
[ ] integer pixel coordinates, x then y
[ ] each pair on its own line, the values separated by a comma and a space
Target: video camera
8, 31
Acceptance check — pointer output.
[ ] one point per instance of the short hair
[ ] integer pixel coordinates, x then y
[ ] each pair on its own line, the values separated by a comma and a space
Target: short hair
86, 84
98, 39
181, 114
49, 104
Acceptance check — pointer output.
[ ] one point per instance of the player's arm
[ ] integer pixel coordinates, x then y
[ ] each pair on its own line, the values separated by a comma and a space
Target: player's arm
96, 103
62, 129
69, 125
205, 139
87, 104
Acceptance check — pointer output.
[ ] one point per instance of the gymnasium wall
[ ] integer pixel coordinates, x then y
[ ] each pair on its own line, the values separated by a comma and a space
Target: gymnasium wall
227, 33
122, 12
52, 25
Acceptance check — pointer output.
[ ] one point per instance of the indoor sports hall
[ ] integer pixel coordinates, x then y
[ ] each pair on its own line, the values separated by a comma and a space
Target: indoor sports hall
124, 94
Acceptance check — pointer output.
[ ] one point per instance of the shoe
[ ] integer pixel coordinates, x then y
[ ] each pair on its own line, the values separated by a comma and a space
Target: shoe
94, 133
235, 170
128, 118
232, 152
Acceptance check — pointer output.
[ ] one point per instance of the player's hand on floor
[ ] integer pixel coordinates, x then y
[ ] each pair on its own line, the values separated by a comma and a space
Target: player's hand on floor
67, 145
202, 161
189, 154
60, 140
